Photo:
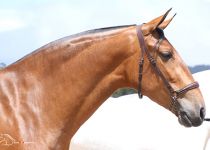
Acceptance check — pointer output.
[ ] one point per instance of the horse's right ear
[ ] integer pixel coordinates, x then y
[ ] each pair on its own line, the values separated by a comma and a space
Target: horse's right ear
147, 28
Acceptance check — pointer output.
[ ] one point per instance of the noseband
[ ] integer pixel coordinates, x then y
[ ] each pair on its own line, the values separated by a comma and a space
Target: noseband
174, 94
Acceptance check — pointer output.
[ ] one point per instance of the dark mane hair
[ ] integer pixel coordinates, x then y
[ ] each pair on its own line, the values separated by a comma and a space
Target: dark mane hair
99, 30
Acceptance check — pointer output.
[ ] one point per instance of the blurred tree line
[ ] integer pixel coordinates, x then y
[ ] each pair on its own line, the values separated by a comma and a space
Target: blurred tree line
199, 68
2, 65
123, 91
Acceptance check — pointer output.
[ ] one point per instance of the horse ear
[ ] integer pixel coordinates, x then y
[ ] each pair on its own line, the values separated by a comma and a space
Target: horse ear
152, 25
166, 23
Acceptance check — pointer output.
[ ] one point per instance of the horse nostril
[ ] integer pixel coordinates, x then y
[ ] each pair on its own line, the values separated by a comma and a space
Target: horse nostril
202, 113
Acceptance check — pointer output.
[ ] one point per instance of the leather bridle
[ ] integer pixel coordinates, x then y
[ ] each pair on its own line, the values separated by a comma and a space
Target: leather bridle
174, 94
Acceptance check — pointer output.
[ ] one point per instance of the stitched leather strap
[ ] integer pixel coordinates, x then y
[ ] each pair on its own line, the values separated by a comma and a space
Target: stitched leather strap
187, 88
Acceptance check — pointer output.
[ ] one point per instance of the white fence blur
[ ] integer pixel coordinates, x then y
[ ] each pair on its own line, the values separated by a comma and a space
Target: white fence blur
129, 123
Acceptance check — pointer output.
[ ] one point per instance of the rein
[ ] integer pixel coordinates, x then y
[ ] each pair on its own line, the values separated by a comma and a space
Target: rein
174, 94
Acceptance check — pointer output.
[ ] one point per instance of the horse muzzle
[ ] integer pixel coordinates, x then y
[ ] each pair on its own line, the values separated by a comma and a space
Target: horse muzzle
189, 120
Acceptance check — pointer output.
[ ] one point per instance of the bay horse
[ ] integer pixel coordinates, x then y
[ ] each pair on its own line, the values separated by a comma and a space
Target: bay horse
46, 96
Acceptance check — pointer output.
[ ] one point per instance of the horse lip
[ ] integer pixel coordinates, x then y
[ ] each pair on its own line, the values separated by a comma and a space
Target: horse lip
184, 119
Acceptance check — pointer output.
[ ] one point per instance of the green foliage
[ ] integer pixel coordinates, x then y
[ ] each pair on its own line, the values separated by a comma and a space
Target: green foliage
123, 91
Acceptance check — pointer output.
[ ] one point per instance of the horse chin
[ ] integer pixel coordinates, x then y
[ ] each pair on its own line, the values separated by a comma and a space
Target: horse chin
184, 120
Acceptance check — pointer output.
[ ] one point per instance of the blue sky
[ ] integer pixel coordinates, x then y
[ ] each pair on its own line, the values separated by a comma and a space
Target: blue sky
26, 25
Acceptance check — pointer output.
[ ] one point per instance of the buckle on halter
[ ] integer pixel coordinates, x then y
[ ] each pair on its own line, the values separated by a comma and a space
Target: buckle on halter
152, 61
141, 62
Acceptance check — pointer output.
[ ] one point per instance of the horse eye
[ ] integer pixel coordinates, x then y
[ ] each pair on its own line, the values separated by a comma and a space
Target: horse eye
166, 55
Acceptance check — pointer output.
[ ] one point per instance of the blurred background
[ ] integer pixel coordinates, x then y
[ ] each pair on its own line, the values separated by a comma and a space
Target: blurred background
26, 25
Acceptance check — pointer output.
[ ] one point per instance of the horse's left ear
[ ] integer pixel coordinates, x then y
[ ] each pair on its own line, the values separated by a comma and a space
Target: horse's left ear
164, 24
147, 28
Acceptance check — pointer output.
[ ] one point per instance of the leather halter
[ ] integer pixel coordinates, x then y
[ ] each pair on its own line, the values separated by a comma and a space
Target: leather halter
174, 94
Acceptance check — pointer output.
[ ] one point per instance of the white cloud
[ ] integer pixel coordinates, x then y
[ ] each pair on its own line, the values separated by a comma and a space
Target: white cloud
9, 20
10, 24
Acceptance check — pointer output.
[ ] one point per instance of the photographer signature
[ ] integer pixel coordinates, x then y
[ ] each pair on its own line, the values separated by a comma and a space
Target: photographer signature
7, 140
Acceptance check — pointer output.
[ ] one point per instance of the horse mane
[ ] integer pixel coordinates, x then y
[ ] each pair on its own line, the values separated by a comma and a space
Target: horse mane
93, 31
71, 37
99, 30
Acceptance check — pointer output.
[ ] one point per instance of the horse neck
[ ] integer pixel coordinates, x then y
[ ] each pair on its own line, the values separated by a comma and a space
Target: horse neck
96, 72
72, 80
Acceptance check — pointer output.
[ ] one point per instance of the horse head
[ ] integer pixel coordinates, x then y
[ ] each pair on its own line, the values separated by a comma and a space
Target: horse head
164, 77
